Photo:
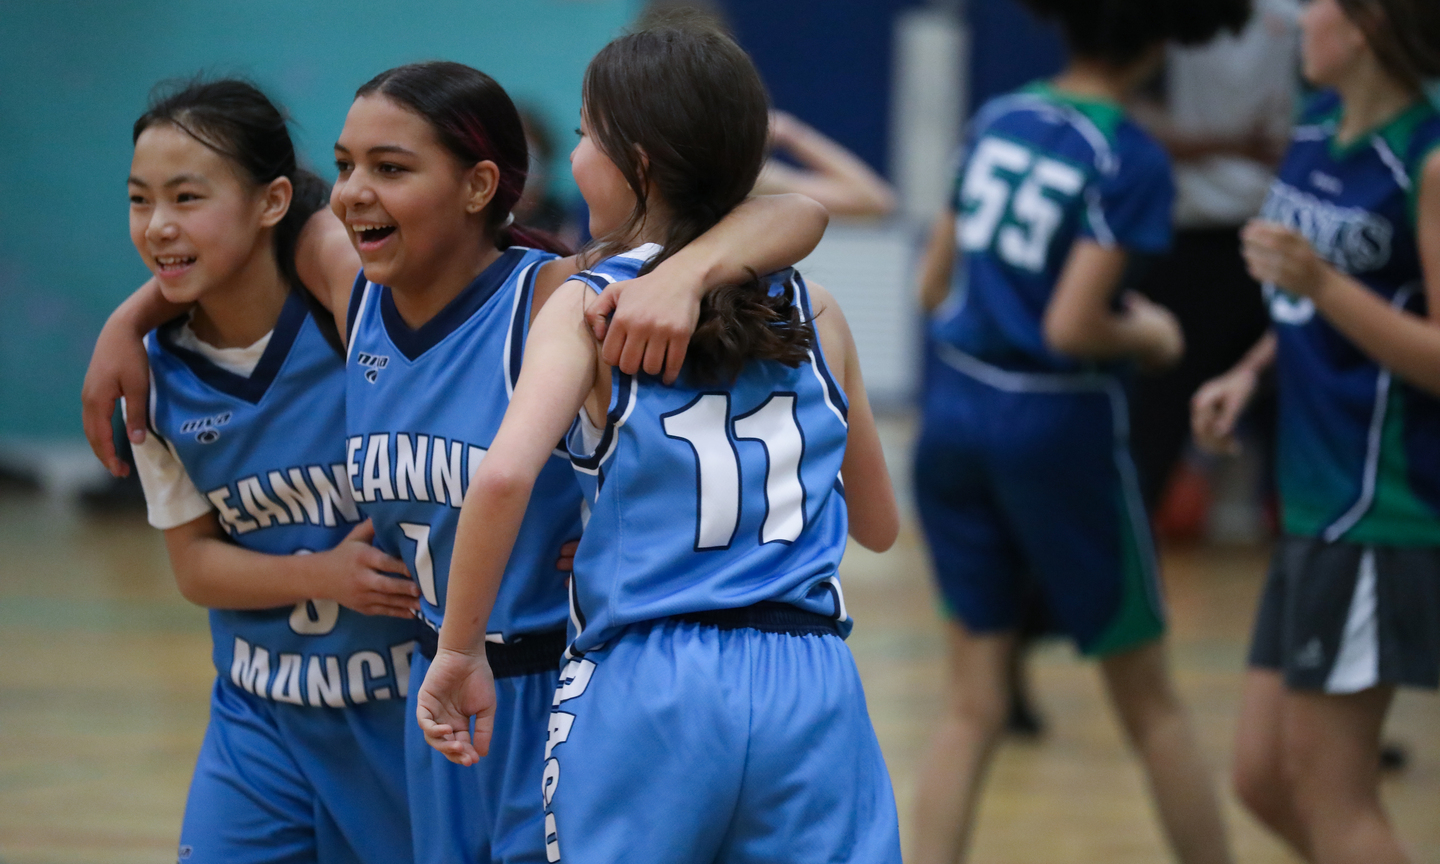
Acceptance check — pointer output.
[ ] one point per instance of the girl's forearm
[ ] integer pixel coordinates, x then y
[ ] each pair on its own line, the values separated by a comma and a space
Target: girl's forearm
144, 310
489, 523
219, 575
763, 234
1260, 355
1404, 343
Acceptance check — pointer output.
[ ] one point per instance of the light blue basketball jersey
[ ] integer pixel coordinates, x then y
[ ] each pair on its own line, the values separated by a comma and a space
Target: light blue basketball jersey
710, 497
422, 407
266, 451
1044, 169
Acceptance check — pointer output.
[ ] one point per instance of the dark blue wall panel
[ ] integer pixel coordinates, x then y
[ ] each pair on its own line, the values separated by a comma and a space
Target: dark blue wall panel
827, 63
1009, 47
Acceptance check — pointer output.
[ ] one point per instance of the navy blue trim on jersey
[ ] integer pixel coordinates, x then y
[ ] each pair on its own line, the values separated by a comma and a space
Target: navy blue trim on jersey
577, 618
592, 280
624, 385
413, 343
699, 490
837, 396
829, 587
253, 388
357, 296
804, 493
521, 324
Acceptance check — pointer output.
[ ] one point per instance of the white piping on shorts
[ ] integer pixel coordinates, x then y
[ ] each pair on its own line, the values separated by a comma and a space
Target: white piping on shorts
1357, 662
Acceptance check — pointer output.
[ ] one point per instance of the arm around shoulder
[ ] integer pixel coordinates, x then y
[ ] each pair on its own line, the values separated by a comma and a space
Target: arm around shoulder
869, 495
327, 262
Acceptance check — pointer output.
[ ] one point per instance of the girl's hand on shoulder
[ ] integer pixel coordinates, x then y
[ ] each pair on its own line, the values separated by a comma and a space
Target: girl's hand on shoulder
119, 368
1164, 341
1216, 407
645, 323
360, 577
458, 686
1281, 256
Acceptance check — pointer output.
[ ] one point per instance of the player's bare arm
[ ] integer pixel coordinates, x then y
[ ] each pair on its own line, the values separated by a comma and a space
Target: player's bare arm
215, 573
651, 326
869, 494
554, 382
1080, 322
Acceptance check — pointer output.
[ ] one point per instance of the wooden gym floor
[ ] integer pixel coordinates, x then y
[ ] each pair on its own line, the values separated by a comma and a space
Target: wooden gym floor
105, 676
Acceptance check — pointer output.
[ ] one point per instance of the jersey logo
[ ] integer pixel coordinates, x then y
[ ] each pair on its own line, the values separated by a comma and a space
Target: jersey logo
1325, 183
206, 429
375, 362
1286, 308
1354, 239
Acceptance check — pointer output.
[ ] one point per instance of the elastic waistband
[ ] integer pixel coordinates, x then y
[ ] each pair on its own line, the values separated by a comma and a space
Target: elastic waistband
767, 616
1014, 381
524, 654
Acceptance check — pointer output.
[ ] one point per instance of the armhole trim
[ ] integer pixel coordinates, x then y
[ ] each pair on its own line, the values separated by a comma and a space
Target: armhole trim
835, 398
359, 300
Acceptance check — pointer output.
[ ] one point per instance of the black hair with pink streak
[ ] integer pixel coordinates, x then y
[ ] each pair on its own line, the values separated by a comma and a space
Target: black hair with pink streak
475, 120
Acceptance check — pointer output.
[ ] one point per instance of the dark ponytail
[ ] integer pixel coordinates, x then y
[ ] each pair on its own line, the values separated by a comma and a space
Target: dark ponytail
475, 120
688, 98
1119, 32
236, 120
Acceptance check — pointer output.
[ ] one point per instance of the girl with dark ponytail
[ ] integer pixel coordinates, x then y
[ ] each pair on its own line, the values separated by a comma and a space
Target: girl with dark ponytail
1348, 249
706, 678
303, 758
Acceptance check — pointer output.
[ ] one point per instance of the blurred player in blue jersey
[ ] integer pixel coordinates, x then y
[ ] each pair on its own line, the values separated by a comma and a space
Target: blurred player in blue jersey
1022, 471
708, 709
1348, 248
303, 759
432, 158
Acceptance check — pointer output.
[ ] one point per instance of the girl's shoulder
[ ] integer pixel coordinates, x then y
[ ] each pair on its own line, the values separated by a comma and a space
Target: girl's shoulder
617, 267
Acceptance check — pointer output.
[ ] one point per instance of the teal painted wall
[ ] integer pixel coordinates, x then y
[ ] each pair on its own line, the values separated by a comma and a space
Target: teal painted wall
74, 76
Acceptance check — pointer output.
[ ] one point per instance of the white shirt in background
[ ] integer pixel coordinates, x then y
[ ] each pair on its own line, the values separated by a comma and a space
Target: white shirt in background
1231, 87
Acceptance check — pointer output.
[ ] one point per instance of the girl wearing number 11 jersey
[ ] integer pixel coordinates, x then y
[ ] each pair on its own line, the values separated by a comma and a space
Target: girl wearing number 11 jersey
706, 677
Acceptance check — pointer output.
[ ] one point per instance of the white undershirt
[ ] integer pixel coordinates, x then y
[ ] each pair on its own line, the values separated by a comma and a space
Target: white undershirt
171, 499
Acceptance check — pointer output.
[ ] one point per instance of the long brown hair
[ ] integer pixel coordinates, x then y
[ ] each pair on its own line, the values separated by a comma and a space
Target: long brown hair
680, 110
1404, 34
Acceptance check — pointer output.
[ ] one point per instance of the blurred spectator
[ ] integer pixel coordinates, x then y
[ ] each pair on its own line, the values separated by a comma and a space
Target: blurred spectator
1224, 114
539, 207
826, 171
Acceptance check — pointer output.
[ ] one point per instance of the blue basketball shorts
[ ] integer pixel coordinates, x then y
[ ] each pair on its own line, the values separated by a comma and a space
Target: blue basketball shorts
291, 784
1025, 488
683, 742
490, 811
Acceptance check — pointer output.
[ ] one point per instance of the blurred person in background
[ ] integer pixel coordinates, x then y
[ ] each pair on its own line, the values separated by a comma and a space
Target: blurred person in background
1224, 115
1022, 470
823, 170
539, 206
1348, 248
